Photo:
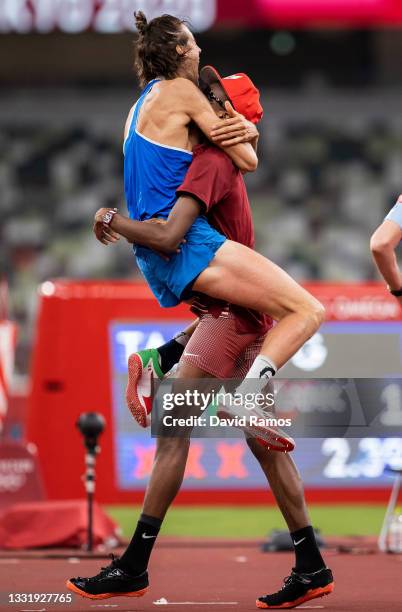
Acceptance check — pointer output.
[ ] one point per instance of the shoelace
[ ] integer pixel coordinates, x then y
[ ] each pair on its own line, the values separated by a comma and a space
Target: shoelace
104, 570
294, 577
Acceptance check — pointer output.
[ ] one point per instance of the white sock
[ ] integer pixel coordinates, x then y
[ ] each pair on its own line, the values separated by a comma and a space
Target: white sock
181, 338
258, 375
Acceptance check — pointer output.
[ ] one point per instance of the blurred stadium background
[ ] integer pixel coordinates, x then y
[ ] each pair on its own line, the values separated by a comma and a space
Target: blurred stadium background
330, 75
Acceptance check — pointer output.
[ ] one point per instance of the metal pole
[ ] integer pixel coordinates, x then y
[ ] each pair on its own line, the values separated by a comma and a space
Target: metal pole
91, 425
90, 461
382, 540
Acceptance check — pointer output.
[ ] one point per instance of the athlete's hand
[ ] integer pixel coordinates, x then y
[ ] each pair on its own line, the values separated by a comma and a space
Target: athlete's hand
104, 233
233, 130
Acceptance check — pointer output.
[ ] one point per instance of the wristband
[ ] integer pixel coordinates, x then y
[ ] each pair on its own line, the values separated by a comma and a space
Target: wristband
395, 292
108, 216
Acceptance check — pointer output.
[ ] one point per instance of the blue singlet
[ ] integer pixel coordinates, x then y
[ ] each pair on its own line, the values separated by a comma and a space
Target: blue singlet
152, 173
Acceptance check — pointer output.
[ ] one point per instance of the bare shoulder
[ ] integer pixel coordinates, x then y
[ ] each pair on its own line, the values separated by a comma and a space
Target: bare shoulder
182, 87
128, 120
182, 84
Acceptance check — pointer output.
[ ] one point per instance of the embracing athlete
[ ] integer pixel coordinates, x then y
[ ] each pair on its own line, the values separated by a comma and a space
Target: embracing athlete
223, 344
128, 575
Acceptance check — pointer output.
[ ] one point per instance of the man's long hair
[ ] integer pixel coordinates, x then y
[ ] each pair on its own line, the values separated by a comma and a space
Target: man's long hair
155, 49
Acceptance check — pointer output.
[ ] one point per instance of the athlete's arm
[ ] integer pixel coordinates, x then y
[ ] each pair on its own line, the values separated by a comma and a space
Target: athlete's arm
165, 236
159, 235
383, 244
207, 182
198, 109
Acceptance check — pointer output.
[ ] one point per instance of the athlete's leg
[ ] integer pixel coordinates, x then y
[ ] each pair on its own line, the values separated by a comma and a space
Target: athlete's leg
241, 276
287, 487
285, 483
165, 481
167, 475
147, 367
284, 480
171, 351
127, 575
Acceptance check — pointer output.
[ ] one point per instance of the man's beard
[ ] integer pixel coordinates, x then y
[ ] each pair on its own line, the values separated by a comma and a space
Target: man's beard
190, 69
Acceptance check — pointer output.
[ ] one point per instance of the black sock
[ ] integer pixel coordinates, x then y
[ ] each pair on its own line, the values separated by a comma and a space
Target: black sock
170, 354
135, 558
308, 556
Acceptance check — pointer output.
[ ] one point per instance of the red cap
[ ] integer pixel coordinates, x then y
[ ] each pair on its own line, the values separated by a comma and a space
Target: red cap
240, 90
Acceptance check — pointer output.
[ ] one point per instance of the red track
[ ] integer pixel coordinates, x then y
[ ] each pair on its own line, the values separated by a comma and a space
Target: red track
200, 573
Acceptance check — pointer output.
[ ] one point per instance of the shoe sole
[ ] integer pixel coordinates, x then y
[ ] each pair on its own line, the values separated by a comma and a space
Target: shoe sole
277, 441
135, 371
78, 591
312, 594
280, 442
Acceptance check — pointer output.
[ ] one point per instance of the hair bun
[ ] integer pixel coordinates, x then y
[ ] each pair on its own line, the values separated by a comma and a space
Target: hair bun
141, 22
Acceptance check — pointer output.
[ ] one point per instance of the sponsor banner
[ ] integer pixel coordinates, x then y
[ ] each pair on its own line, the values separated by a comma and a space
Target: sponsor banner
20, 479
360, 302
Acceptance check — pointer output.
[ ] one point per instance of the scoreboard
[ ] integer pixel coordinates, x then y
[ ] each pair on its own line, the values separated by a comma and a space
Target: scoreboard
340, 350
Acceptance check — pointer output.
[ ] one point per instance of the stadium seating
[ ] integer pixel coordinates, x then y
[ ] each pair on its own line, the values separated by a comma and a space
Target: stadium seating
319, 192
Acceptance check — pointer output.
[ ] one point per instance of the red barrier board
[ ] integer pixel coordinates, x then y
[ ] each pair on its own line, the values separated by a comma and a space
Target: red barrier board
72, 373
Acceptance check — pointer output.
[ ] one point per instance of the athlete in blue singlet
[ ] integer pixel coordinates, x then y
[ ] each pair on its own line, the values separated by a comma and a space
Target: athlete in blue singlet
384, 241
152, 173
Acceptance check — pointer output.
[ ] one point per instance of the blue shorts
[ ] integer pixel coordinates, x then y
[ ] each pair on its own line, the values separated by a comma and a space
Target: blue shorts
169, 279
395, 214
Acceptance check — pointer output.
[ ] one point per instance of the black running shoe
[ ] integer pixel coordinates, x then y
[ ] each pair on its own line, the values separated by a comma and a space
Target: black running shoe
299, 588
110, 582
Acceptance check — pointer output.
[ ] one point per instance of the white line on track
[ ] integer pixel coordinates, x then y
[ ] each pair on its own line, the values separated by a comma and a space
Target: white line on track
12, 561
164, 602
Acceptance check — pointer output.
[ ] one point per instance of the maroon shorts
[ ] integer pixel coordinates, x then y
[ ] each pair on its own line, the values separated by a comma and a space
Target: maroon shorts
216, 347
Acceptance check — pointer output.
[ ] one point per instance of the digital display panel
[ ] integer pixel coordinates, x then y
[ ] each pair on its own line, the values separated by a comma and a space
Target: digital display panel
116, 16
104, 16
340, 349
